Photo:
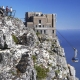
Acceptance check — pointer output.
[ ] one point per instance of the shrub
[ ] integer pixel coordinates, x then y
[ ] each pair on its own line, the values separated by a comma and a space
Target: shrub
37, 33
65, 68
15, 39
39, 36
34, 58
41, 72
13, 71
37, 43
47, 39
57, 72
51, 52
54, 78
54, 67
40, 46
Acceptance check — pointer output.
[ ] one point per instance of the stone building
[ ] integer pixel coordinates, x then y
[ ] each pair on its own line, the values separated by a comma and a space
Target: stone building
42, 23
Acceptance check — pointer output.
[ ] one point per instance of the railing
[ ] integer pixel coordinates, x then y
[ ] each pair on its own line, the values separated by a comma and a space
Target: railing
13, 12
44, 28
22, 18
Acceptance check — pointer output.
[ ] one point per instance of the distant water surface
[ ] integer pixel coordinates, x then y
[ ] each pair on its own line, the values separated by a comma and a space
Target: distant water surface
73, 37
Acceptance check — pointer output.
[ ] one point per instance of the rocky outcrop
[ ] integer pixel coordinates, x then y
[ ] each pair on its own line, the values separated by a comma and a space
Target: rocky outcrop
27, 56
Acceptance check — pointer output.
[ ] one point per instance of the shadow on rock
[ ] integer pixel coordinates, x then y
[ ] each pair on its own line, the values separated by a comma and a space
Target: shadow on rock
22, 65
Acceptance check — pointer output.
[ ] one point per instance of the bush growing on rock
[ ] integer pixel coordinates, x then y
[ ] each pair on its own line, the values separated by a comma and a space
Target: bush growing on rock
57, 72
34, 58
41, 72
51, 52
54, 67
15, 39
37, 33
13, 72
37, 43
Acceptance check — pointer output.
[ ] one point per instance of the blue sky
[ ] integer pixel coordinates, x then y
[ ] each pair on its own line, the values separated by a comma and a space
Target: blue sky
68, 11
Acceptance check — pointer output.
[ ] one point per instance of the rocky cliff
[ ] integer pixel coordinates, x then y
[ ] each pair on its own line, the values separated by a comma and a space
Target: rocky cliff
26, 55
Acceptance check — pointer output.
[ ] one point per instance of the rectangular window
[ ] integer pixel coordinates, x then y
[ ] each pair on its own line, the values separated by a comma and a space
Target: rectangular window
37, 30
44, 31
52, 31
39, 25
36, 14
41, 31
39, 21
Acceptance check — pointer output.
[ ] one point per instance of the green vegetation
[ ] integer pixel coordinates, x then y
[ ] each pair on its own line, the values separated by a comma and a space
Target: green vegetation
17, 19
40, 46
51, 52
9, 17
37, 43
13, 72
54, 78
65, 68
37, 33
34, 58
53, 42
41, 72
54, 67
57, 64
39, 36
15, 39
53, 45
57, 72
47, 39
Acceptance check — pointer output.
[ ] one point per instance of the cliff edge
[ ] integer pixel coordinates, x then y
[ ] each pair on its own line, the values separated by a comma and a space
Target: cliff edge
26, 55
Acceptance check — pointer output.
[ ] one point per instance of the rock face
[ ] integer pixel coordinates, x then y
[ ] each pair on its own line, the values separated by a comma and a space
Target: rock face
25, 55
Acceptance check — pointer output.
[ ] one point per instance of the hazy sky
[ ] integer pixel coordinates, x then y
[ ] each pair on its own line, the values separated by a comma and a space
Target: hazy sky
68, 11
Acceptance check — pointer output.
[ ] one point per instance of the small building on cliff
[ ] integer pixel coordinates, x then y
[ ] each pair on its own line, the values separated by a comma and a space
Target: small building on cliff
42, 23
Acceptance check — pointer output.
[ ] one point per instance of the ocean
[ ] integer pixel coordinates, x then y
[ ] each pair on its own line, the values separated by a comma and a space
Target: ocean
73, 37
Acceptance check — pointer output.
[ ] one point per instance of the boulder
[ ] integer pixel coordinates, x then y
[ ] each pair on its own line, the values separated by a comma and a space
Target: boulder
22, 65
